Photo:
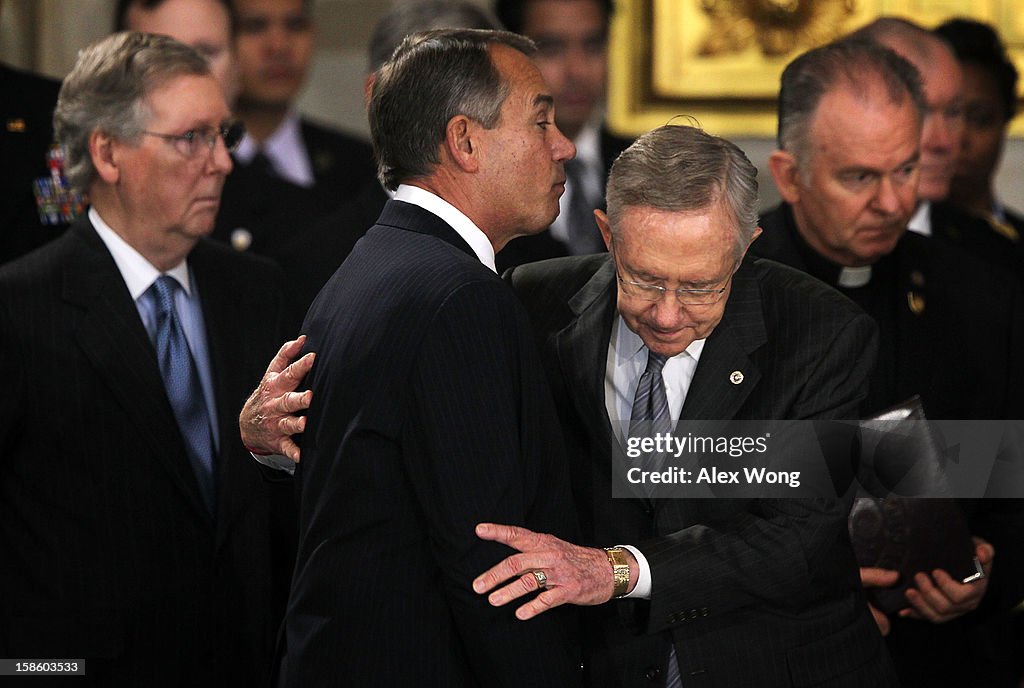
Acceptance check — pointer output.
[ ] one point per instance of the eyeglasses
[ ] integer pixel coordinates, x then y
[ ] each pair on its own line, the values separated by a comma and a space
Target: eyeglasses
195, 142
687, 297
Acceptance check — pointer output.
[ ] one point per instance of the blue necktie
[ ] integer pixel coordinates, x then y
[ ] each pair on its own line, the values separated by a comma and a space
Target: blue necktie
650, 413
651, 416
185, 392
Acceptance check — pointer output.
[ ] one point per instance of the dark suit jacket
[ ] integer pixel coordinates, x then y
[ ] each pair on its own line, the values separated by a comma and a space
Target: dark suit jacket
26, 115
751, 592
430, 414
313, 252
272, 209
976, 236
937, 308
960, 350
108, 551
528, 249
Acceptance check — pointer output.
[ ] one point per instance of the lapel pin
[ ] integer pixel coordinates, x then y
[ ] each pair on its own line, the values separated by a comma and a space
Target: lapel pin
736, 377
916, 302
241, 239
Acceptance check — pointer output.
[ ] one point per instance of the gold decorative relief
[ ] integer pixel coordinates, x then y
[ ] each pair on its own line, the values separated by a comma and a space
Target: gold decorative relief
719, 61
773, 26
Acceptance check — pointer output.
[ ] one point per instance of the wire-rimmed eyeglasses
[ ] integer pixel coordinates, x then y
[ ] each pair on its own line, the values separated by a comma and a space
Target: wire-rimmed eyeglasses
195, 142
687, 297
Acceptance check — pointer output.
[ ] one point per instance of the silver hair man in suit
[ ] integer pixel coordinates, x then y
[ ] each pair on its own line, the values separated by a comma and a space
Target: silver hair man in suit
135, 532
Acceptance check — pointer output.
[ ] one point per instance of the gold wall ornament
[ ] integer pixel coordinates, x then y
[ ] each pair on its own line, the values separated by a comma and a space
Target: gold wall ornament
776, 27
719, 61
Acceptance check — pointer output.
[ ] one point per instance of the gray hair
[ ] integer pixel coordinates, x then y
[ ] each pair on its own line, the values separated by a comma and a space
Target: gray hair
106, 91
424, 16
433, 77
856, 63
683, 168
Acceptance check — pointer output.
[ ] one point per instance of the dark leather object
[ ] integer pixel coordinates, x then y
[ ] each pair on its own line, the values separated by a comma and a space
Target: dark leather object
906, 533
909, 535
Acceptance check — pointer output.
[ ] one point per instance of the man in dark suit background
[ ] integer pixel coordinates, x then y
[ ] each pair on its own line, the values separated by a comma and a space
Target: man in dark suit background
289, 171
26, 112
722, 592
942, 133
847, 167
206, 25
135, 532
990, 104
430, 410
572, 54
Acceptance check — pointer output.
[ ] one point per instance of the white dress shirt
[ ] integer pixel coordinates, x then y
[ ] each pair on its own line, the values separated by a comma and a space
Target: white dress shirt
285, 149
139, 275
921, 220
436, 205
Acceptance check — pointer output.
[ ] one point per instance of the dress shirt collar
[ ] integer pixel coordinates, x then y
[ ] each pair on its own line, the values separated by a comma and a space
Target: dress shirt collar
626, 361
286, 150
921, 222
138, 273
588, 143
458, 221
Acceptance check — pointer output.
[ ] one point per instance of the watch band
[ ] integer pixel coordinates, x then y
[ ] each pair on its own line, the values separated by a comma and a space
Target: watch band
620, 569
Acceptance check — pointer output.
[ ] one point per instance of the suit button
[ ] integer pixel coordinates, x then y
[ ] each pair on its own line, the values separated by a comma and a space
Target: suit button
652, 674
704, 611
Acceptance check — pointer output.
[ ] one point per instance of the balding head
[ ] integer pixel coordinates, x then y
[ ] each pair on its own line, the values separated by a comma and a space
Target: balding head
941, 75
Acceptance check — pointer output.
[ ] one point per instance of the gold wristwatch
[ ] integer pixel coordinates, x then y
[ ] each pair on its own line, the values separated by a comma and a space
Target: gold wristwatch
620, 569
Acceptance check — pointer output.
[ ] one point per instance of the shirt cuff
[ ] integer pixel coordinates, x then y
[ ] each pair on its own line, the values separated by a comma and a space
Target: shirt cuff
642, 591
276, 461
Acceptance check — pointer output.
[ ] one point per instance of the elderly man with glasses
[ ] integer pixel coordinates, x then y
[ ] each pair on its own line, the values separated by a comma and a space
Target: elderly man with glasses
137, 534
677, 316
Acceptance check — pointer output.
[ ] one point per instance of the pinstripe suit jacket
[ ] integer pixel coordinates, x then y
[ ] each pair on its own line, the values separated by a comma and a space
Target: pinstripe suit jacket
108, 551
751, 592
430, 414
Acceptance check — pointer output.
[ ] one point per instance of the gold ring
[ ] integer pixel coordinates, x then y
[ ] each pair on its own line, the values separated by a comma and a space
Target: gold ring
542, 579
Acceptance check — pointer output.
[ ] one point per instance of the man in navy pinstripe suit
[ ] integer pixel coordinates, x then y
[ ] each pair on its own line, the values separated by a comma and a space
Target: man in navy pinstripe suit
430, 409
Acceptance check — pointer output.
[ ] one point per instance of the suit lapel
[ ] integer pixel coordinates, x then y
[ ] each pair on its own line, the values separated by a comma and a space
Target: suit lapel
113, 338
582, 348
726, 375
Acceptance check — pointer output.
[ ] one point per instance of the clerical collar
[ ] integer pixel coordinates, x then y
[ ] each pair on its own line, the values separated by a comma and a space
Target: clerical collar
824, 269
851, 278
